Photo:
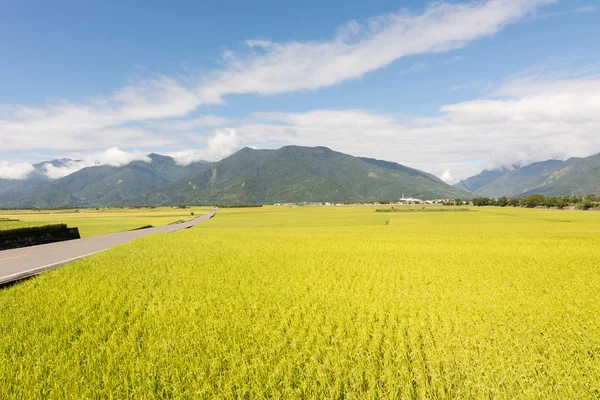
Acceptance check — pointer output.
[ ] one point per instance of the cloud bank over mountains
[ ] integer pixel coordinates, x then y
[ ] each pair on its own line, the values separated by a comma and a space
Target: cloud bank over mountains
529, 117
15, 171
114, 157
221, 144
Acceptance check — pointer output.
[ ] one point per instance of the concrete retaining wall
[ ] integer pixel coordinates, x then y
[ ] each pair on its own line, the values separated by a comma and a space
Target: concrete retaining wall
34, 239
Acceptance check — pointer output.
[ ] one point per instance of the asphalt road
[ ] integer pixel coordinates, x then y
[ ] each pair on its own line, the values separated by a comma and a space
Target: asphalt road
22, 263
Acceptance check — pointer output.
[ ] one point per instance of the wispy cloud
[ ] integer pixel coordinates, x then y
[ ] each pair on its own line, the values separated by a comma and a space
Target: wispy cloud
532, 116
220, 144
126, 117
361, 48
101, 121
418, 67
588, 8
453, 60
176, 125
526, 119
479, 85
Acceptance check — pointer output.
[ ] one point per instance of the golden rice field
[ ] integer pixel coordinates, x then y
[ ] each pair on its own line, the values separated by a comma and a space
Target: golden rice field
319, 303
9, 224
98, 222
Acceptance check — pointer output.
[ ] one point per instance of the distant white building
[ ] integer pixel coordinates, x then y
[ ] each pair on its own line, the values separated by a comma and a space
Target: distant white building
409, 200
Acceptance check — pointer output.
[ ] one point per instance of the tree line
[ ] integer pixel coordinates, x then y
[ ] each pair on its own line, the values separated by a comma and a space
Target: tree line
534, 200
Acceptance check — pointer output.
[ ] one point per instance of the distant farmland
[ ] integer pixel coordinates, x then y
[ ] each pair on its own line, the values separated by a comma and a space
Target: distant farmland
319, 302
93, 222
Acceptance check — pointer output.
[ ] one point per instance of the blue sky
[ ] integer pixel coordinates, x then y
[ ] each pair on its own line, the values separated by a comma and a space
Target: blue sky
448, 87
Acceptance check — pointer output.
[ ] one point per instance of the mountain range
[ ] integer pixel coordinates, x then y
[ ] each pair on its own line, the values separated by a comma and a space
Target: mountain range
288, 175
575, 176
250, 176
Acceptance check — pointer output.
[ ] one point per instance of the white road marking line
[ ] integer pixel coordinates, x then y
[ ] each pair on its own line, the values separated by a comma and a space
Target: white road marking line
47, 266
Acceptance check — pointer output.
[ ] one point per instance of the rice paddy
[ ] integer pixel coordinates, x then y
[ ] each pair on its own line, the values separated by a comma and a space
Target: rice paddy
319, 302
10, 224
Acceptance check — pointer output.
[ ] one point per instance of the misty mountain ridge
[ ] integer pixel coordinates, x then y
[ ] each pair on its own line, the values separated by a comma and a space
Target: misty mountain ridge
575, 176
34, 178
289, 174
99, 185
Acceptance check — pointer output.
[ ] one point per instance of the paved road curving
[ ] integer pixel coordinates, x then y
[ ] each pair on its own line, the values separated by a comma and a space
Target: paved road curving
22, 263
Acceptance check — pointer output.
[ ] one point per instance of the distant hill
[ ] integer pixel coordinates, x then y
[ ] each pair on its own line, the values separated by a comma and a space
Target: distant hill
575, 176
478, 181
299, 174
101, 185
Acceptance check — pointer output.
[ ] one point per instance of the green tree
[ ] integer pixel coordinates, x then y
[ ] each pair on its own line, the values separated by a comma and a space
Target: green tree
502, 201
533, 200
561, 202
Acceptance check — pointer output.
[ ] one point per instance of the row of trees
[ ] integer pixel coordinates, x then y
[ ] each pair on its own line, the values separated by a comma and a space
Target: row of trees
534, 200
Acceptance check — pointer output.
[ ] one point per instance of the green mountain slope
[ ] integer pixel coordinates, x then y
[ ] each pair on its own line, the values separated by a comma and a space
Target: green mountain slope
401, 168
14, 185
576, 176
299, 174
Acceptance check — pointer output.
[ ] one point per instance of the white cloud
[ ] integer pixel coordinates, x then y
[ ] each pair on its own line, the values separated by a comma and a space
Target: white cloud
151, 111
114, 157
527, 119
98, 121
447, 177
15, 171
222, 143
187, 157
202, 121
358, 49
532, 116
56, 172
117, 157
125, 117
